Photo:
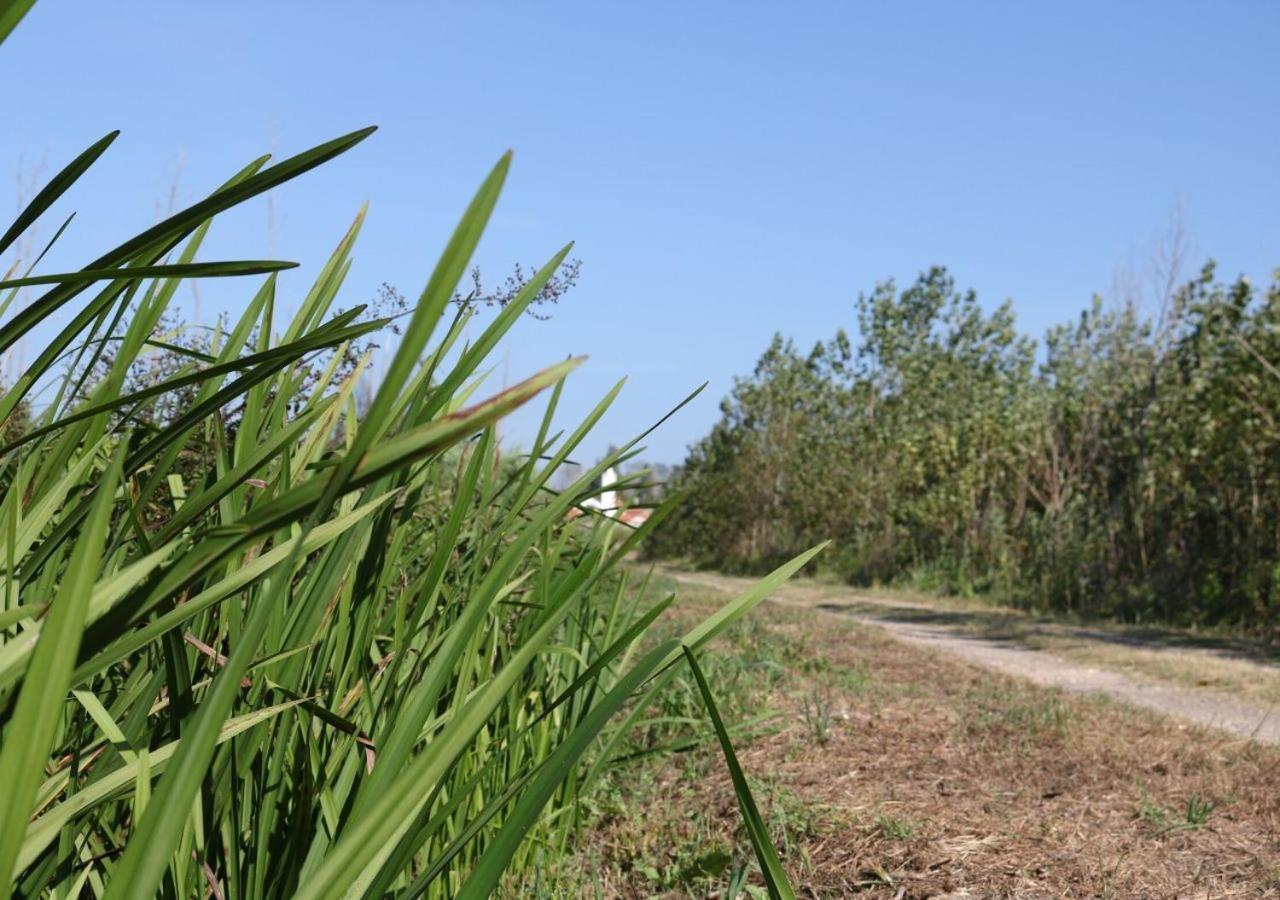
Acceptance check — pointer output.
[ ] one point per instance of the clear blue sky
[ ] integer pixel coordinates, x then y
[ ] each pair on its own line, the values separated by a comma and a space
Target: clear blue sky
727, 169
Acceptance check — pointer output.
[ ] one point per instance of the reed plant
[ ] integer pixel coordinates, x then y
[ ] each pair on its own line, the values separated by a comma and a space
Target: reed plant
267, 641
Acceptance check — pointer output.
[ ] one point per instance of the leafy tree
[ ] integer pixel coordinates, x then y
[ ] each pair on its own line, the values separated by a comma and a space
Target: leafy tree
1128, 465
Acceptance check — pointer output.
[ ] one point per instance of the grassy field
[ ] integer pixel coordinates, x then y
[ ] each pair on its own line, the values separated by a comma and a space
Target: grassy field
885, 771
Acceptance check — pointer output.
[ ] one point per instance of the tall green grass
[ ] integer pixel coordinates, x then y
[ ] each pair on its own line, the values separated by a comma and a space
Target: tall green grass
265, 646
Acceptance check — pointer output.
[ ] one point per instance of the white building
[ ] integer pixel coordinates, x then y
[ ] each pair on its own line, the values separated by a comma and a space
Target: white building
607, 501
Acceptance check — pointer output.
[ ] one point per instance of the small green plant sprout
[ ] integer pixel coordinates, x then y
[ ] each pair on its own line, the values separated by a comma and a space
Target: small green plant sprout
895, 829
817, 715
1198, 811
1194, 816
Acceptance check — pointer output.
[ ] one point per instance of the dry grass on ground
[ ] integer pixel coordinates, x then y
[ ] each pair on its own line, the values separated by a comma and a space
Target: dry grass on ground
892, 772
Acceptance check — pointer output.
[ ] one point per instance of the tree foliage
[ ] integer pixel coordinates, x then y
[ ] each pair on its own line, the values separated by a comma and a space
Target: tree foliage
1128, 464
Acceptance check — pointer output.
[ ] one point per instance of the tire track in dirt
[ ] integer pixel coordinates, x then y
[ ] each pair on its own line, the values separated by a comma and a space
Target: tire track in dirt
1207, 708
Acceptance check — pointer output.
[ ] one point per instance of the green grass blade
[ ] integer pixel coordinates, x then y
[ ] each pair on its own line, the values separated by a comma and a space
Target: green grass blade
178, 225
704, 631
226, 269
38, 710
11, 13
44, 830
435, 296
775, 878
488, 871
60, 183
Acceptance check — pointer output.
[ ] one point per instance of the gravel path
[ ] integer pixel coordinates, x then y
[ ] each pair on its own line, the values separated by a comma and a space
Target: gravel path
1208, 708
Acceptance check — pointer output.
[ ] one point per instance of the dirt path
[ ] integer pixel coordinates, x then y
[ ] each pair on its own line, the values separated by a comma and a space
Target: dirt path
1209, 708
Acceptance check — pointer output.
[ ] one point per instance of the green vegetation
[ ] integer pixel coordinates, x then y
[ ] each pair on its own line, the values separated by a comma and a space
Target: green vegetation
1195, 814
817, 715
894, 829
258, 640
658, 828
1128, 466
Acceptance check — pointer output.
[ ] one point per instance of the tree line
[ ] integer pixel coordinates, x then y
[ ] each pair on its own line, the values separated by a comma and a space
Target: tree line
1128, 464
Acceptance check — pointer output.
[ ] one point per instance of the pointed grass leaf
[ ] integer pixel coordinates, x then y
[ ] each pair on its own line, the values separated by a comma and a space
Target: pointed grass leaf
11, 13
38, 710
44, 830
60, 183
229, 269
775, 878
490, 867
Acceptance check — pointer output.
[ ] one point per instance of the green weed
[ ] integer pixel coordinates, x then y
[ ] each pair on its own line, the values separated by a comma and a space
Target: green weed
816, 706
895, 829
1195, 814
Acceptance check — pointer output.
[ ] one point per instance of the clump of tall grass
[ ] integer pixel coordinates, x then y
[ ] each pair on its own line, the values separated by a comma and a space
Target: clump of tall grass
261, 645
